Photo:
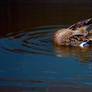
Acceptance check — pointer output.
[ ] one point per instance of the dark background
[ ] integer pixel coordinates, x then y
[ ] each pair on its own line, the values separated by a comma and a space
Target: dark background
16, 15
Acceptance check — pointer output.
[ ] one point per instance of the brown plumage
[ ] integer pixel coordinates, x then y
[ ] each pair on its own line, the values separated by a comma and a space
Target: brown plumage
89, 35
74, 35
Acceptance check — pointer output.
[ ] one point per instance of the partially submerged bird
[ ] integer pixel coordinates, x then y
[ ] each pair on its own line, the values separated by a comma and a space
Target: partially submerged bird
75, 35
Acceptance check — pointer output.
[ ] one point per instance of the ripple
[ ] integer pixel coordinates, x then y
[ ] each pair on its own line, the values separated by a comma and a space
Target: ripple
61, 72
38, 40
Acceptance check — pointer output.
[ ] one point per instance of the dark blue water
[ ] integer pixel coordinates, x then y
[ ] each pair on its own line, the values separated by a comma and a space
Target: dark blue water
29, 59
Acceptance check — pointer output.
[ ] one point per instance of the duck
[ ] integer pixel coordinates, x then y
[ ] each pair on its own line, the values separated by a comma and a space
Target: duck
75, 35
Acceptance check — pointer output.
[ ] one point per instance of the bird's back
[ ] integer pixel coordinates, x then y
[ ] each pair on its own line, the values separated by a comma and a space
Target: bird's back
69, 37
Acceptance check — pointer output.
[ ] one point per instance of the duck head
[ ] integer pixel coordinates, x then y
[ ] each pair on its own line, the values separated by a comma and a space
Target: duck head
84, 24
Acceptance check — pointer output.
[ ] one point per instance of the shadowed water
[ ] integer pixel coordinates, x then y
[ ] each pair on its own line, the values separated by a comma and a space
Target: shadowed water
29, 61
34, 61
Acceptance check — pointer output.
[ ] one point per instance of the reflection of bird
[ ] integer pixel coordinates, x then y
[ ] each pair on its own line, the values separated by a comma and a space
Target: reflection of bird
75, 35
62, 51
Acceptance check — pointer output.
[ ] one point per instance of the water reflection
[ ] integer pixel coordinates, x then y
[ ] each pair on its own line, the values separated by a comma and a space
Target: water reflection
84, 54
38, 40
26, 70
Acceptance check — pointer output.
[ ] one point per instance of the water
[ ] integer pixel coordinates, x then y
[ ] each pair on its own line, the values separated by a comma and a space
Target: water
30, 62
